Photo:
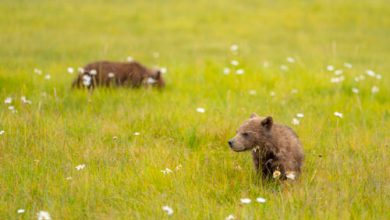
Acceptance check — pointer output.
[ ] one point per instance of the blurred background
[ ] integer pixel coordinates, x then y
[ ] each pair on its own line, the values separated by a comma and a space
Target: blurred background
321, 67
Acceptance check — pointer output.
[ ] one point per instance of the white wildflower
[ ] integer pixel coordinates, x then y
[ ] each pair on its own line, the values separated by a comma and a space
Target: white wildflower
166, 171
260, 200
70, 70
300, 115
230, 217
2, 132
47, 77
252, 92
80, 167
167, 209
276, 174
111, 75
8, 100
338, 114
348, 65
234, 62
330, 68
359, 78
151, 80
355, 90
290, 60
136, 133
290, 175
11, 107
338, 72
178, 167
234, 47
80, 70
337, 79
201, 110
295, 121
226, 70
93, 72
24, 100
37, 71
20, 211
69, 178
86, 80
370, 73
245, 200
374, 89
129, 59
163, 70
378, 76
43, 215
283, 67
240, 71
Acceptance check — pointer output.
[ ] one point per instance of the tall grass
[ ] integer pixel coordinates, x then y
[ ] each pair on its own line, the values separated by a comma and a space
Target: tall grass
346, 173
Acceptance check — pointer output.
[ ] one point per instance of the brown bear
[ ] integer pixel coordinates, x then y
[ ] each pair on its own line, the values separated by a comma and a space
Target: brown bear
276, 149
107, 73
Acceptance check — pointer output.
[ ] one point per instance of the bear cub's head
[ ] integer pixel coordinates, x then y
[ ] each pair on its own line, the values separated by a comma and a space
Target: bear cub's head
155, 78
252, 133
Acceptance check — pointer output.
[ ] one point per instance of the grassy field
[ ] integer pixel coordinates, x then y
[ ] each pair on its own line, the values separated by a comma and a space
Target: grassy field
347, 170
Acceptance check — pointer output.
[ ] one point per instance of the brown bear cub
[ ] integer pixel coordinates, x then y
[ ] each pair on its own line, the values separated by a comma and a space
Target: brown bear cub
276, 149
107, 73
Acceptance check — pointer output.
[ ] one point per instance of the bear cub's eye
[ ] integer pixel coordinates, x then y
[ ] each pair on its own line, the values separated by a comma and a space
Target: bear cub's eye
245, 134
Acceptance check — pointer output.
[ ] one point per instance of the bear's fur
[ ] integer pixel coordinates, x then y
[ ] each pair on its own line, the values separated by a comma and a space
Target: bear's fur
107, 73
276, 149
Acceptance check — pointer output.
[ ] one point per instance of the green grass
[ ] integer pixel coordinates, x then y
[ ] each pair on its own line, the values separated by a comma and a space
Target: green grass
45, 141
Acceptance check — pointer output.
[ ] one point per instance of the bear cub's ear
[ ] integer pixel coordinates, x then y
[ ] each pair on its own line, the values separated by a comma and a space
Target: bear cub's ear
254, 115
267, 122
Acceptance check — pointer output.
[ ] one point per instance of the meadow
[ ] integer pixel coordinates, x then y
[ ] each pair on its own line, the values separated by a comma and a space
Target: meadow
126, 153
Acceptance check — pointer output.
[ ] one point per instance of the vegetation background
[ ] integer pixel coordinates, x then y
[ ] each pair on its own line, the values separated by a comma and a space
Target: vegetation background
347, 169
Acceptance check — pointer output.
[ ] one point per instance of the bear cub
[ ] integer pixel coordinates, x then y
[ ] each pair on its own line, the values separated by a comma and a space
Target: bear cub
276, 149
108, 73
